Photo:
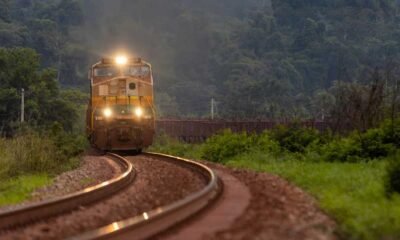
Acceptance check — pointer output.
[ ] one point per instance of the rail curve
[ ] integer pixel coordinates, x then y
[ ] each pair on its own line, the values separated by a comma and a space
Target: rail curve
153, 222
28, 213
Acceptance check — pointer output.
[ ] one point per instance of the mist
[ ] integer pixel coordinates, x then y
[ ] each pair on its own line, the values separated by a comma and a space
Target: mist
178, 38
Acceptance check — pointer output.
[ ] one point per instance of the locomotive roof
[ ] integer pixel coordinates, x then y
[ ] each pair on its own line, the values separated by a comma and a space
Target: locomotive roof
131, 61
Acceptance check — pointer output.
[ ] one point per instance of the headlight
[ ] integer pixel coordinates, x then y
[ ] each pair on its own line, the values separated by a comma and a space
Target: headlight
138, 112
121, 60
107, 112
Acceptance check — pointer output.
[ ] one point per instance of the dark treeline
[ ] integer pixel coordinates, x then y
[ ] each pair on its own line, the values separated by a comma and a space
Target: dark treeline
257, 58
262, 59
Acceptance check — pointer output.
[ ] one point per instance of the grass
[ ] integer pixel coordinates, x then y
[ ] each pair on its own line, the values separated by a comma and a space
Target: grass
30, 160
353, 193
19, 189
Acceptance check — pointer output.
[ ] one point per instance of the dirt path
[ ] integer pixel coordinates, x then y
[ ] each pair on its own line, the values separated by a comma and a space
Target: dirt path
274, 209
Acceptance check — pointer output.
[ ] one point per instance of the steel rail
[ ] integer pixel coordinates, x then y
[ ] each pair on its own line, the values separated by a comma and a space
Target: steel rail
35, 211
158, 220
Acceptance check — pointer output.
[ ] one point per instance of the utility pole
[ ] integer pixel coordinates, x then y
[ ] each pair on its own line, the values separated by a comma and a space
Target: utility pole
22, 105
212, 108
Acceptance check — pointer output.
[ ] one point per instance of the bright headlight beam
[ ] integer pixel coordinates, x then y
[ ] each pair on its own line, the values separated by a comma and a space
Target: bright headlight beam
138, 112
121, 60
107, 112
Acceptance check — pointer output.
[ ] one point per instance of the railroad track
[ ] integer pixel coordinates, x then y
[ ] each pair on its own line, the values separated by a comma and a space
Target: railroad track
138, 227
29, 213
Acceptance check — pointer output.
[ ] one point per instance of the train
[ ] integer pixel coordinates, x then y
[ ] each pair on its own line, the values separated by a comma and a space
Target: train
120, 114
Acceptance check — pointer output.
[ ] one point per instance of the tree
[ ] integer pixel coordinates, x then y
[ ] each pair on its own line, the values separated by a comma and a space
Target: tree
20, 68
5, 10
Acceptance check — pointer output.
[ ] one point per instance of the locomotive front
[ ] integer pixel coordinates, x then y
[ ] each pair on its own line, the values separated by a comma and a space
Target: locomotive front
120, 115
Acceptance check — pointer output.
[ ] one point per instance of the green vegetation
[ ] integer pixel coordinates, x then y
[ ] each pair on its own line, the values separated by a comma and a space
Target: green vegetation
50, 140
16, 190
31, 159
257, 58
353, 193
355, 178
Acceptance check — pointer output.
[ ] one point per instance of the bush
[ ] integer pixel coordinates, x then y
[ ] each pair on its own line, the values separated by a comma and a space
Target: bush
342, 150
31, 153
391, 132
165, 144
392, 183
265, 143
227, 144
373, 145
358, 147
295, 138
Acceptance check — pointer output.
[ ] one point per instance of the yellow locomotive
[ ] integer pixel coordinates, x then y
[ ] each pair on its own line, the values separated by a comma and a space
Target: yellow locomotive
120, 114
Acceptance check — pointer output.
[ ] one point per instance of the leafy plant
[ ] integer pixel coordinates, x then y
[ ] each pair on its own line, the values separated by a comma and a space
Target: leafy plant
392, 183
225, 145
295, 138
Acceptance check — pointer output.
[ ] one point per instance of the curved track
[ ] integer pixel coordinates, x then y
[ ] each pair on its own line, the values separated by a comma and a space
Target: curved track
153, 222
138, 227
28, 213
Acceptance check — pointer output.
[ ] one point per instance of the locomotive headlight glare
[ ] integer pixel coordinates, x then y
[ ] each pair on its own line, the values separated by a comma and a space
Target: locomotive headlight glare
138, 112
107, 112
121, 60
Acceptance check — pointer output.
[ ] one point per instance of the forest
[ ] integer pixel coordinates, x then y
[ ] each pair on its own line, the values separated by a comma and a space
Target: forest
258, 59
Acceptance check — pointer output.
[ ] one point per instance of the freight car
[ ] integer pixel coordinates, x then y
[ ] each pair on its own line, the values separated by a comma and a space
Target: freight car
120, 113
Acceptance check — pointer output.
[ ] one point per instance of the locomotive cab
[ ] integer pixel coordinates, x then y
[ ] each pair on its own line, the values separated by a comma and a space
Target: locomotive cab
120, 115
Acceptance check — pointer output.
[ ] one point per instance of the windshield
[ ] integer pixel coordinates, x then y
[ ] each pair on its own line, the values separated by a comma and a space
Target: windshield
105, 72
137, 71
134, 71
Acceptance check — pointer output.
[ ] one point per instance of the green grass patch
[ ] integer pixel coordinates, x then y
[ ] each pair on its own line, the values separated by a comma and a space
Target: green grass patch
18, 189
353, 193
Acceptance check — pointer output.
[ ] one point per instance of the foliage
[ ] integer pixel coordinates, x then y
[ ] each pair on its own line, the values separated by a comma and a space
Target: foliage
33, 153
373, 144
295, 138
343, 150
391, 132
45, 26
16, 190
392, 183
225, 145
168, 145
345, 184
344, 190
258, 59
19, 68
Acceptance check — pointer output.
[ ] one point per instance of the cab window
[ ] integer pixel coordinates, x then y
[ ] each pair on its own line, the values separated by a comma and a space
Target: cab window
137, 71
105, 72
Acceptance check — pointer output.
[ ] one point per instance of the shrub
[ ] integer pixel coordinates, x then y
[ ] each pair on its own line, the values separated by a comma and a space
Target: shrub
165, 144
391, 132
373, 145
342, 149
32, 152
68, 144
358, 147
392, 183
265, 143
295, 138
227, 144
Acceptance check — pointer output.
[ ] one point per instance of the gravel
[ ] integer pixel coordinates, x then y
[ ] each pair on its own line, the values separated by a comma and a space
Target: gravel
92, 171
157, 183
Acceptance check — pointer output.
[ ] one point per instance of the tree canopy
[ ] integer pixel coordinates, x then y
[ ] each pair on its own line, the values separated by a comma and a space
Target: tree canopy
257, 58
